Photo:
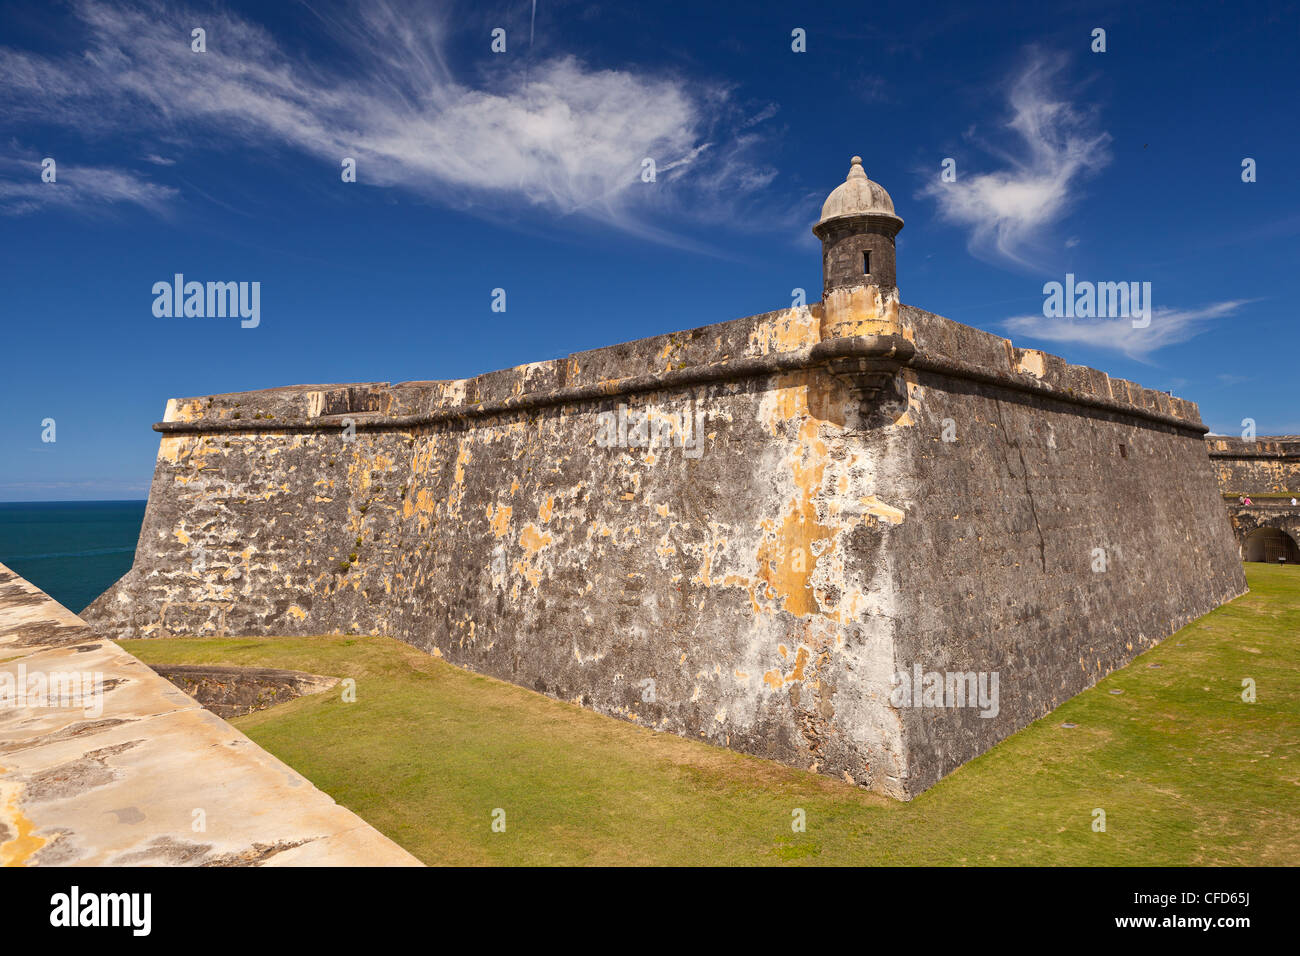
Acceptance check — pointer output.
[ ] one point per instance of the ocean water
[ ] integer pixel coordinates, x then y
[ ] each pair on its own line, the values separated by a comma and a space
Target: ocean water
71, 550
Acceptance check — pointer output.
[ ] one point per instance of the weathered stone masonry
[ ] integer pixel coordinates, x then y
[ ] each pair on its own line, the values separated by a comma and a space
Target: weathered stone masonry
877, 487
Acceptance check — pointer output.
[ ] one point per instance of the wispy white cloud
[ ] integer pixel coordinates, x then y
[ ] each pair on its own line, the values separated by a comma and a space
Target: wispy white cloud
1057, 145
1226, 378
86, 188
554, 134
1168, 327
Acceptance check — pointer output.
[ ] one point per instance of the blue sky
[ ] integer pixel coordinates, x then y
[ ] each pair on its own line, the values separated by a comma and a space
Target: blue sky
521, 170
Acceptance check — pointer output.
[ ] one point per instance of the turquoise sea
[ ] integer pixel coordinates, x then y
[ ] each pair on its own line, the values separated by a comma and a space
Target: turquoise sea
71, 550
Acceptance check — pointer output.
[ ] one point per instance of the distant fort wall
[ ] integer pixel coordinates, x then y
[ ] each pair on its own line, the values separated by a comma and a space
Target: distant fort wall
1262, 466
739, 534
1266, 472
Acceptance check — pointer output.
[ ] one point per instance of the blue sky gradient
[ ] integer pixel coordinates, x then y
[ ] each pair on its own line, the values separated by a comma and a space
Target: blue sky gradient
521, 170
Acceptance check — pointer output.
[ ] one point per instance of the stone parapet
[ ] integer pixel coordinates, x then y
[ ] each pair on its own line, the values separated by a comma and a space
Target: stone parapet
754, 347
105, 763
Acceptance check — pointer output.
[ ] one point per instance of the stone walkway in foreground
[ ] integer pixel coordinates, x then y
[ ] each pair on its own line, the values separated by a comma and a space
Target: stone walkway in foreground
135, 772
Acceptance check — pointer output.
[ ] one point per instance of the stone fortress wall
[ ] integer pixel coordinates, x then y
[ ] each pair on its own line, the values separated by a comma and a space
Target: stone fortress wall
833, 495
760, 591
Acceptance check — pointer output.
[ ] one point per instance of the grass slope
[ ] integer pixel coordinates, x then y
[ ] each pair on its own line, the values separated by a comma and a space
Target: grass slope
1186, 771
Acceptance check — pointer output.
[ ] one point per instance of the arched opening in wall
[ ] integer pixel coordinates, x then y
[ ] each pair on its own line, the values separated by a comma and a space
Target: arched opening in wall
1270, 544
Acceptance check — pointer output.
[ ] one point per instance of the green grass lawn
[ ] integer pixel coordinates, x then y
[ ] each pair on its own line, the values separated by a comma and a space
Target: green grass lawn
1186, 772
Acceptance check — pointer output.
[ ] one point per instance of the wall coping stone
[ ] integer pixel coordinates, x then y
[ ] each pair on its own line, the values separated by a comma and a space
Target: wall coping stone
926, 342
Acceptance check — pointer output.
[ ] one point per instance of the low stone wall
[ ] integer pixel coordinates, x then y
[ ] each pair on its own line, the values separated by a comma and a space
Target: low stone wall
104, 763
739, 533
231, 691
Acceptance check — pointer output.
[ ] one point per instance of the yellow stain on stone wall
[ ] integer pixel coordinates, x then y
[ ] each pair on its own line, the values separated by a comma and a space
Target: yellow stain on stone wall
192, 450
800, 660
181, 410
790, 331
532, 540
422, 502
665, 549
776, 680
861, 310
19, 848
1031, 361
362, 465
913, 389
463, 457
786, 558
665, 355
499, 521
878, 509
797, 555
704, 576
